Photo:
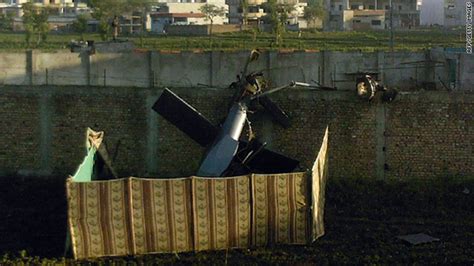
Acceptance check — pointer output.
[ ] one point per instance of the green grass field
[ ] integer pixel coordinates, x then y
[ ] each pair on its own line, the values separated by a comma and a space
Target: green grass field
337, 41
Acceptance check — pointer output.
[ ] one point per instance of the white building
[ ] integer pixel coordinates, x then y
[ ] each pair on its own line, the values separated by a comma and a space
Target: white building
184, 13
349, 14
432, 12
61, 6
256, 10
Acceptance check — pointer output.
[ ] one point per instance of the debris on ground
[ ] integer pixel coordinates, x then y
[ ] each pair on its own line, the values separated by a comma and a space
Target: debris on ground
417, 239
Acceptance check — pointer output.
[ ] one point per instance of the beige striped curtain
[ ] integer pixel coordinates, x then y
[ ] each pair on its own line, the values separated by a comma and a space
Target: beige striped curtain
139, 216
280, 209
221, 208
99, 218
161, 215
318, 186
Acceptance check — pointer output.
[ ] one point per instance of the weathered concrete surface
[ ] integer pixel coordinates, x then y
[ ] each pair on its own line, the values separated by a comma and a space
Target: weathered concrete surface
181, 69
124, 69
466, 64
62, 68
405, 70
13, 69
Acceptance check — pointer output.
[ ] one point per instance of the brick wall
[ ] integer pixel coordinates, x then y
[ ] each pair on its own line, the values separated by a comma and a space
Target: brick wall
428, 135
425, 135
20, 131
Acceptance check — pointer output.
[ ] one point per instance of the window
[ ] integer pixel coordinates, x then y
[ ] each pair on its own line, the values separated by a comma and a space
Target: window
356, 21
371, 7
354, 7
387, 7
340, 7
253, 9
376, 22
399, 7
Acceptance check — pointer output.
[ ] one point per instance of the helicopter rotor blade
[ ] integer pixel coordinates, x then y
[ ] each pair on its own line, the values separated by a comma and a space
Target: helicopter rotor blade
185, 117
267, 161
278, 114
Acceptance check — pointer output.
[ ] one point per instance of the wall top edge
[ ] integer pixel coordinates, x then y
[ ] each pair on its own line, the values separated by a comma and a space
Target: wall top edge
292, 94
201, 51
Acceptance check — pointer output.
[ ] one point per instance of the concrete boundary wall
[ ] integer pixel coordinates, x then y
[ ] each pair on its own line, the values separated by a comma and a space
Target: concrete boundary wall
406, 70
420, 135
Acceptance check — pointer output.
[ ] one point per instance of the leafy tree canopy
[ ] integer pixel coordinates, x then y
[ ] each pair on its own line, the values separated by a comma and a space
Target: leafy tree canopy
35, 21
212, 11
80, 25
6, 21
313, 12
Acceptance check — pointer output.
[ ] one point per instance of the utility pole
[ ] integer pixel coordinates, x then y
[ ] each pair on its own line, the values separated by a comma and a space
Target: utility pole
391, 26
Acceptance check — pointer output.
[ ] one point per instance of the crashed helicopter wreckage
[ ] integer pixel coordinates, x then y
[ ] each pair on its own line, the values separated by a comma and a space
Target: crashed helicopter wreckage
367, 87
130, 216
229, 153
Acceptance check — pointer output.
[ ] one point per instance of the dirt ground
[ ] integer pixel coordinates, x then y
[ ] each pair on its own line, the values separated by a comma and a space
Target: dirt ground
363, 220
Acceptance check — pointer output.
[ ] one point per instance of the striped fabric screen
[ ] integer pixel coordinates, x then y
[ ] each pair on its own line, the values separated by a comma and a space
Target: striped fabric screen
161, 214
138, 216
221, 208
280, 209
99, 218
318, 186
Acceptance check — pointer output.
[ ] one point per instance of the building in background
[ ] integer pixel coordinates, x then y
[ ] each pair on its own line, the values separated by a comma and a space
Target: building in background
371, 14
454, 13
432, 12
256, 10
63, 12
183, 13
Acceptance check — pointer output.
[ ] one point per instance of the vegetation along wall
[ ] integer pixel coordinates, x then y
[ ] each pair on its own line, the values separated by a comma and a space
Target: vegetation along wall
420, 135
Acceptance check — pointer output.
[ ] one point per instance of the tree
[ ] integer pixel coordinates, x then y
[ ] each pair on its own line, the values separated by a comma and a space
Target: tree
105, 10
212, 12
35, 21
80, 25
245, 11
6, 22
277, 16
312, 12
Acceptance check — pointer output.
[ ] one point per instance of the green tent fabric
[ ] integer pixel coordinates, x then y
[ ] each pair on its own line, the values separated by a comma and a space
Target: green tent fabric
84, 172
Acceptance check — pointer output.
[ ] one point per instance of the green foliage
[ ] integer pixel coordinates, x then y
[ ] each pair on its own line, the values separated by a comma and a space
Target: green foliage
367, 41
80, 25
245, 11
313, 12
211, 12
277, 16
6, 22
315, 2
105, 10
35, 21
